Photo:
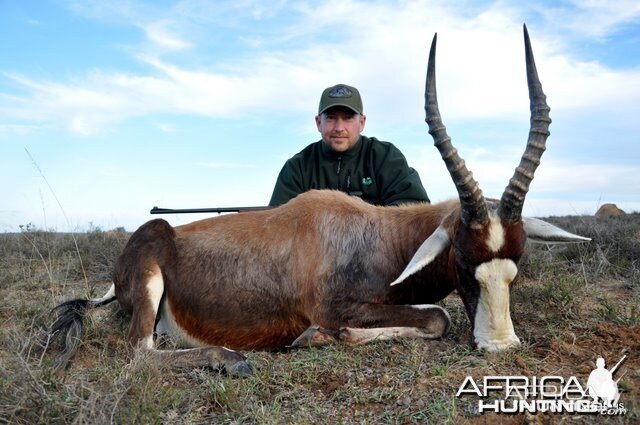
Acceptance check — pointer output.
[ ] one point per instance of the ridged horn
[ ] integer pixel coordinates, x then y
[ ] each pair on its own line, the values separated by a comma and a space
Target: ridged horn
512, 201
472, 203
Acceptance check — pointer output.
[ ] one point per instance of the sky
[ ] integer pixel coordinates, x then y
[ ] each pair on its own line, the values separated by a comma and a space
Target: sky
109, 107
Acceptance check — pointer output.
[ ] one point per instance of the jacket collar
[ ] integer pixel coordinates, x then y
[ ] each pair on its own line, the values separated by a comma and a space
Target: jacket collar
351, 153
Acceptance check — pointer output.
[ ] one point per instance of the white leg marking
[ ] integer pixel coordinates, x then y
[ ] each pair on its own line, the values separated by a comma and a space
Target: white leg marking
147, 342
168, 326
428, 306
110, 294
364, 335
493, 328
155, 289
496, 234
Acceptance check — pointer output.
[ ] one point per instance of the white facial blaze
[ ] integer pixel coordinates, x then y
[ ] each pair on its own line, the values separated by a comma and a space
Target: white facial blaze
493, 328
496, 234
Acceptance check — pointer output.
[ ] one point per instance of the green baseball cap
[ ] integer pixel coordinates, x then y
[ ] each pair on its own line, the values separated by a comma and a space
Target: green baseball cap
340, 95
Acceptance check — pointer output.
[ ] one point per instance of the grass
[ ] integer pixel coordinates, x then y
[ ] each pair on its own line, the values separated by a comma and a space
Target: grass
569, 305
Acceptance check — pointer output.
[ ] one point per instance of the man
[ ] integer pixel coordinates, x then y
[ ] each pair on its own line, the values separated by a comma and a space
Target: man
601, 385
345, 160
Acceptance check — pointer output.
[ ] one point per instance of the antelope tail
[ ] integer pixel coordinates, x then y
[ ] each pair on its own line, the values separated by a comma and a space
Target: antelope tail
69, 322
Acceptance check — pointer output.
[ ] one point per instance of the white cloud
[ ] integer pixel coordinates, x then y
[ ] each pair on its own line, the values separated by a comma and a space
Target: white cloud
159, 33
16, 129
165, 127
558, 188
81, 126
576, 86
570, 178
593, 18
480, 69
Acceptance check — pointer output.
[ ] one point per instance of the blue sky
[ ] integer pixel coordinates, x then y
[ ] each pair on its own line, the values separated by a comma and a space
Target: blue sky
108, 108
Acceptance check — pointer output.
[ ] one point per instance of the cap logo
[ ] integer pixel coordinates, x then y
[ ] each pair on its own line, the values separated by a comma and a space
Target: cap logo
340, 91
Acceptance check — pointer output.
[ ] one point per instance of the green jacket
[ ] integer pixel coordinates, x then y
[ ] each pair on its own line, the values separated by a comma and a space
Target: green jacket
373, 170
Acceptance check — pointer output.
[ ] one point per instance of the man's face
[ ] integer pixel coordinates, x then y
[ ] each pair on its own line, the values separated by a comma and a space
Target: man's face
340, 128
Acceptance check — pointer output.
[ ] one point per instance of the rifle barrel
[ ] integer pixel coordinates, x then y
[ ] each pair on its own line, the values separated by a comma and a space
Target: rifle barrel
618, 364
157, 210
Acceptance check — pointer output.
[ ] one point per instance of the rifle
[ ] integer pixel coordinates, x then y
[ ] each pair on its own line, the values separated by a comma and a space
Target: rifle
613, 369
156, 210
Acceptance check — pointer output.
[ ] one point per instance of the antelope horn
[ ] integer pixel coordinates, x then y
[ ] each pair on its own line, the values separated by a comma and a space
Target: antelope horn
472, 203
512, 201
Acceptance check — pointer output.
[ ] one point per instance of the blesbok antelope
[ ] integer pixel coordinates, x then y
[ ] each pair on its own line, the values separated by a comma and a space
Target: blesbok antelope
327, 267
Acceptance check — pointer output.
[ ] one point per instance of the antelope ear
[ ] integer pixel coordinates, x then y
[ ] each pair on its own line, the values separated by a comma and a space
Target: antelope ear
434, 245
541, 231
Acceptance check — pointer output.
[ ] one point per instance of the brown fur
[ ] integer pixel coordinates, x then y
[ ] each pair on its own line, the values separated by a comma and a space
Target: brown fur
151, 249
258, 280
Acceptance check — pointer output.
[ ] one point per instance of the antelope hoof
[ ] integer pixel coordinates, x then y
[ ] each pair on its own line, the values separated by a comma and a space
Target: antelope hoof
233, 362
241, 368
440, 323
493, 346
315, 336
